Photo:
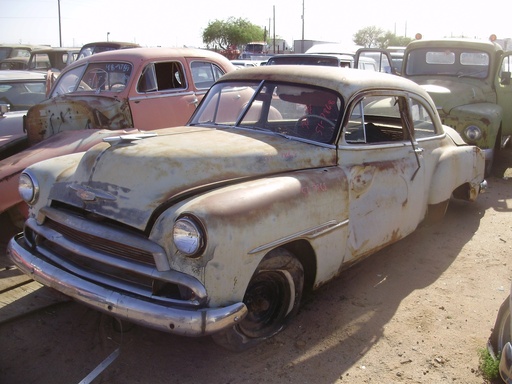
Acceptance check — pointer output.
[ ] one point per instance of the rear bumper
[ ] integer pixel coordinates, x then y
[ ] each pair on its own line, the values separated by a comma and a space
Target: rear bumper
181, 321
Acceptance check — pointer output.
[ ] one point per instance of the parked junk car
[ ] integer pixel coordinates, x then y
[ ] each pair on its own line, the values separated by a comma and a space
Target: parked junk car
14, 63
247, 63
19, 90
55, 59
500, 341
146, 88
469, 81
90, 49
109, 94
17, 50
284, 176
332, 60
345, 54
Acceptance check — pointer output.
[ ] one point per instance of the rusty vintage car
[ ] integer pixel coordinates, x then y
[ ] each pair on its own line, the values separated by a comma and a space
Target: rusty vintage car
284, 177
19, 90
111, 93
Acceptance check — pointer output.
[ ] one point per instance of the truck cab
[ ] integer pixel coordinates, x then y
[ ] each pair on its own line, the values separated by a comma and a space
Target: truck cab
469, 81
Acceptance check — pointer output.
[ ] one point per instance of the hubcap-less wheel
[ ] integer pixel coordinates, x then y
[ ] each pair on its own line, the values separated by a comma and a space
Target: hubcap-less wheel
267, 300
272, 299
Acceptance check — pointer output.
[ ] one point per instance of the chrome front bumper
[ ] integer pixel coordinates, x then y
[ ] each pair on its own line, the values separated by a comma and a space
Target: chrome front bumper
186, 322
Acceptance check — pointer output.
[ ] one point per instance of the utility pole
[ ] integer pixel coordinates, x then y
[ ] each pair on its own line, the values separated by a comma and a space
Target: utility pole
60, 29
302, 41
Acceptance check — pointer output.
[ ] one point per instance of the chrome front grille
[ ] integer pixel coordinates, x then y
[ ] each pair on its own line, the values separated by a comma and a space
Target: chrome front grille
102, 244
111, 257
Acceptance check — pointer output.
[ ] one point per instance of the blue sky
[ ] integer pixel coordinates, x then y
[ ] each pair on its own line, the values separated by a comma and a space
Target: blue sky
181, 23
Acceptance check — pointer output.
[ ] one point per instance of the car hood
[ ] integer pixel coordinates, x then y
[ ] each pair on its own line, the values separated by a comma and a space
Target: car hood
448, 94
128, 181
71, 112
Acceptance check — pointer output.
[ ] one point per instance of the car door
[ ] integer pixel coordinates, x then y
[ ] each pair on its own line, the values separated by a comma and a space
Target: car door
385, 169
503, 86
163, 96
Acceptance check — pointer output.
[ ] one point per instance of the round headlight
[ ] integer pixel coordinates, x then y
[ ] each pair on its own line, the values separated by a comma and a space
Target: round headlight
28, 188
472, 133
187, 236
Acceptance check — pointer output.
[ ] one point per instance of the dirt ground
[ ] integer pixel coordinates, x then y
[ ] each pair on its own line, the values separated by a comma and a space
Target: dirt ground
419, 311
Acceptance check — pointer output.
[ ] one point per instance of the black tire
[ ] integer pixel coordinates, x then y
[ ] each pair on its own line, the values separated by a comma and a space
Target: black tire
272, 298
501, 332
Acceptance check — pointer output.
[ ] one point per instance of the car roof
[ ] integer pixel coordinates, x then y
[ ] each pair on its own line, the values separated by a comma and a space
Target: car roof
13, 75
457, 43
346, 81
149, 54
57, 49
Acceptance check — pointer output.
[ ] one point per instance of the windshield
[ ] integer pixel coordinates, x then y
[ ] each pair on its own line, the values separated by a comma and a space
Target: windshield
299, 111
448, 62
95, 77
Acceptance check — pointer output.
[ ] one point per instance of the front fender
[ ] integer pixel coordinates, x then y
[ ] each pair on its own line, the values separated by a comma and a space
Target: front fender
243, 222
486, 116
457, 166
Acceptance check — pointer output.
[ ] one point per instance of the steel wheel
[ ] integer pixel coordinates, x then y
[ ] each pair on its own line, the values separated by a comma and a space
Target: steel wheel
272, 298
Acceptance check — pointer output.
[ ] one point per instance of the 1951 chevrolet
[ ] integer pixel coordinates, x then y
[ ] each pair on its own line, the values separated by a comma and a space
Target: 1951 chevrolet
283, 177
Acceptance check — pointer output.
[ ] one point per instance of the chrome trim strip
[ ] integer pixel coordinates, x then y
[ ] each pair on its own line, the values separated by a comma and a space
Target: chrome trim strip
100, 231
185, 322
310, 233
143, 270
147, 96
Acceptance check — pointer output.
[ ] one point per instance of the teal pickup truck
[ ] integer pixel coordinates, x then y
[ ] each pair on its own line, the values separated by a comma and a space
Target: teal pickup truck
469, 81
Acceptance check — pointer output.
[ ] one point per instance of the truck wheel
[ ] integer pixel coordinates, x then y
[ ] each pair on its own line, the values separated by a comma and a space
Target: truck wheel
272, 299
501, 332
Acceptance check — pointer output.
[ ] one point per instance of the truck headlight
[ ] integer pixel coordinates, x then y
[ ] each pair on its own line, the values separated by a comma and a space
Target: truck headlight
28, 188
188, 236
472, 133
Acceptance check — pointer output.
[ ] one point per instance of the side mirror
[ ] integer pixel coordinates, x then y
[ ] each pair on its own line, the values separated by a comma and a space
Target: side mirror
505, 78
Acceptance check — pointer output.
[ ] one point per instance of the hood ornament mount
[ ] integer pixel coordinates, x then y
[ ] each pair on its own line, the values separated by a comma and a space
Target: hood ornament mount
89, 194
126, 139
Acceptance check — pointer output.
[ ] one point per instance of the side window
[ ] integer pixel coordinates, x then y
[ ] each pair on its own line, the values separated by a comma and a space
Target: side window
506, 68
423, 125
204, 74
377, 119
162, 77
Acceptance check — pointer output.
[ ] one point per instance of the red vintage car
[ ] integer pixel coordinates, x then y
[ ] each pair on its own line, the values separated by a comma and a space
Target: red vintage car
109, 94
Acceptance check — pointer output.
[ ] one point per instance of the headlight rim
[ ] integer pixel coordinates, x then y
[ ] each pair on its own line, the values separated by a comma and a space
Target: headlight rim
477, 133
34, 195
201, 236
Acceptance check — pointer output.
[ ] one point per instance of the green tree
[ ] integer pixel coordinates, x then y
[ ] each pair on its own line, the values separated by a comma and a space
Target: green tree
390, 39
232, 32
368, 37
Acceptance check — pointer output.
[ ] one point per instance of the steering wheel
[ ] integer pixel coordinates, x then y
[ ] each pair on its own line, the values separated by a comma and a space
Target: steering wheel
118, 85
298, 124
